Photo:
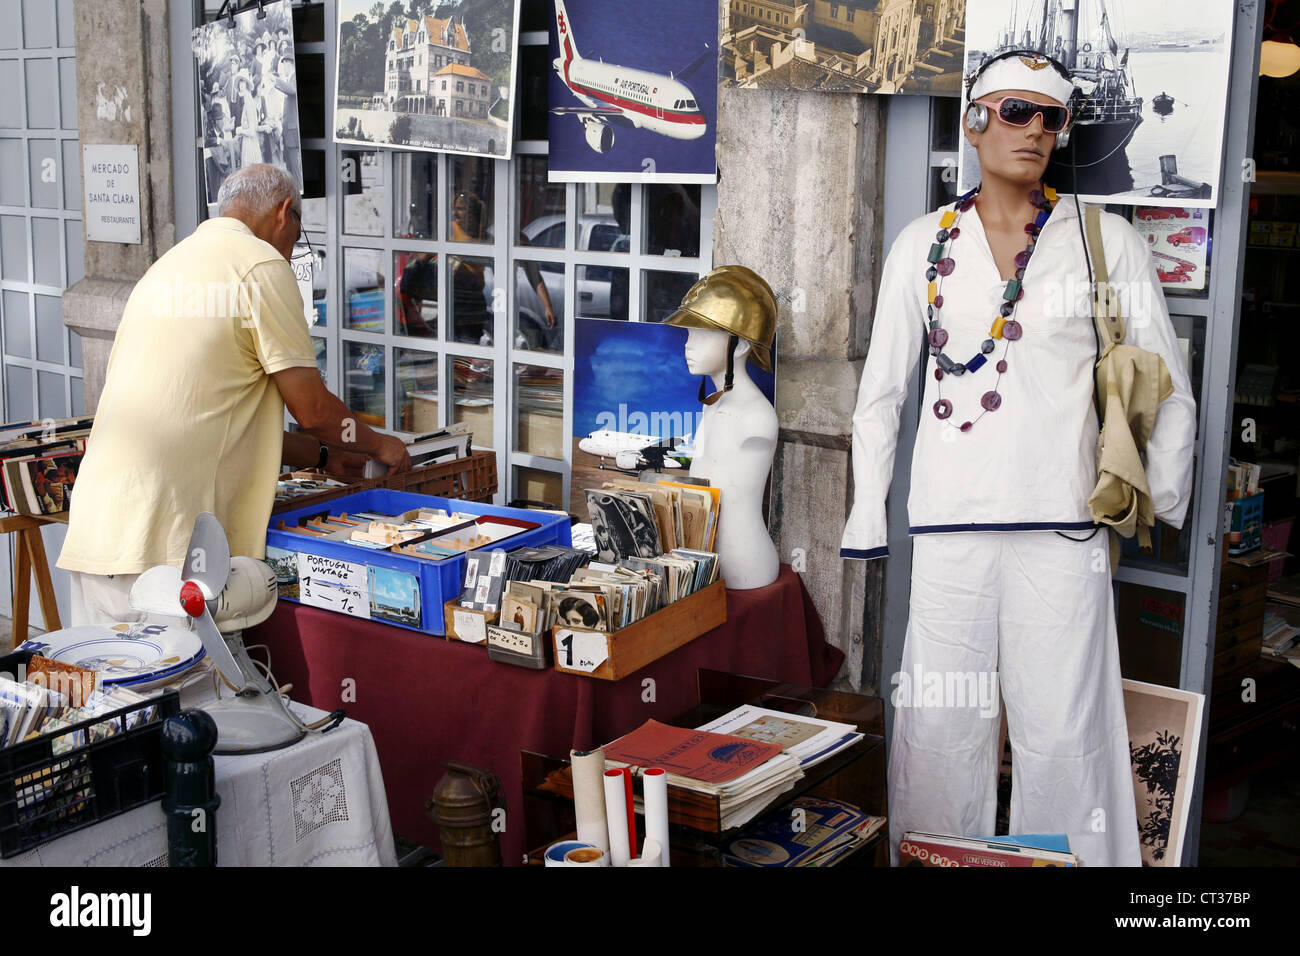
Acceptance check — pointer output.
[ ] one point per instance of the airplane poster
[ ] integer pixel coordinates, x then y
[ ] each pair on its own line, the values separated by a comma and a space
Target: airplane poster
633, 91
632, 397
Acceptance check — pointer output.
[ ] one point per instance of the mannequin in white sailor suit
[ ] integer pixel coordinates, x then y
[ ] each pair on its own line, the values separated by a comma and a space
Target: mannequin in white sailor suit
1010, 577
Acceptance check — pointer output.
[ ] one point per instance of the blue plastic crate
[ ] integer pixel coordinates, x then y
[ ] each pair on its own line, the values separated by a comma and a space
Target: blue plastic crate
438, 581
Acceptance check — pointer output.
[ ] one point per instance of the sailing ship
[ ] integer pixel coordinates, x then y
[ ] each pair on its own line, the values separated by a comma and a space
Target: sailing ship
1111, 111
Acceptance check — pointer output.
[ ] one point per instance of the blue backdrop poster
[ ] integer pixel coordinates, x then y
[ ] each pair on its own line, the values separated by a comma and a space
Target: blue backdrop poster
633, 91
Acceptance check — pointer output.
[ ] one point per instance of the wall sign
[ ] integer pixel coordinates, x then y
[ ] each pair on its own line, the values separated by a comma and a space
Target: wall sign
111, 183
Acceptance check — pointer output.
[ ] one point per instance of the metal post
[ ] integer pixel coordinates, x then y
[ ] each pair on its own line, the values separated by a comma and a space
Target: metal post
190, 799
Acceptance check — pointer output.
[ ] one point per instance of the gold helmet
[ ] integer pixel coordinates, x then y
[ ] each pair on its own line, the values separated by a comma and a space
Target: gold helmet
735, 300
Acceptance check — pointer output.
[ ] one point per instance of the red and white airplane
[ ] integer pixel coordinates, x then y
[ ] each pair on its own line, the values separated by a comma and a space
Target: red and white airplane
617, 95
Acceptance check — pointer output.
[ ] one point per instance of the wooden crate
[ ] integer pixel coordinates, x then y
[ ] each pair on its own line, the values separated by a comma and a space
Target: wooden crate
468, 479
473, 623
649, 639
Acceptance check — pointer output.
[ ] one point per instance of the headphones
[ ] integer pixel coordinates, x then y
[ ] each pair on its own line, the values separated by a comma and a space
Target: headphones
977, 114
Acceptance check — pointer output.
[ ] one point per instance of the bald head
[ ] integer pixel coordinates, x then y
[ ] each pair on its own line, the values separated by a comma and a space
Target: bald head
264, 198
256, 190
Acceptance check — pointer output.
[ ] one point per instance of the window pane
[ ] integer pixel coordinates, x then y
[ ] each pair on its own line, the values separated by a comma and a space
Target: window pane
604, 217
539, 306
539, 411
415, 195
318, 296
663, 292
534, 105
472, 397
415, 390
361, 175
321, 347
534, 484
471, 199
363, 281
415, 297
945, 127
471, 295
672, 220
363, 381
541, 205
602, 292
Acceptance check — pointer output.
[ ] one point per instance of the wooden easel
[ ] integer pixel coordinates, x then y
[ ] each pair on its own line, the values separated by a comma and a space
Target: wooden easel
31, 558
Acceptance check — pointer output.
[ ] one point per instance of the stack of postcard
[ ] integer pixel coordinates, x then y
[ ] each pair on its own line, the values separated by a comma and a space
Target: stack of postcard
40, 462
685, 515
624, 524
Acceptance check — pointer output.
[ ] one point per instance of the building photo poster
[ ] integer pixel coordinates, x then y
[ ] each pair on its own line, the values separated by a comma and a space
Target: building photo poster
854, 46
248, 93
1154, 74
633, 91
427, 75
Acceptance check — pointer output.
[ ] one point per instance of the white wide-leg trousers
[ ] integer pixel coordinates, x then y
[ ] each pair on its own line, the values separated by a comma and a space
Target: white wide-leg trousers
1030, 612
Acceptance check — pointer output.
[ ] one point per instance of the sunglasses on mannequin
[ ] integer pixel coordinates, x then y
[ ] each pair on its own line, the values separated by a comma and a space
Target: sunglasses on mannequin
1017, 111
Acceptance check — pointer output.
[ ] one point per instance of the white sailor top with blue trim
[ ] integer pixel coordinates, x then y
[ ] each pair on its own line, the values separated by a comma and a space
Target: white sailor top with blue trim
1030, 464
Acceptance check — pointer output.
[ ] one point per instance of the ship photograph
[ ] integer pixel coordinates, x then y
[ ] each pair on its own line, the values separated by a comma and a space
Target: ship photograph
1152, 77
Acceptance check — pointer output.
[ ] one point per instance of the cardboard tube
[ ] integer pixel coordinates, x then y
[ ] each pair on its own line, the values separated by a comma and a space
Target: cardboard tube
649, 855
589, 797
654, 785
586, 856
556, 851
615, 801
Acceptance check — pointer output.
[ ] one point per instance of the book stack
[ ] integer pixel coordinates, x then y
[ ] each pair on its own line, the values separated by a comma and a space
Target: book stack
1281, 636
810, 739
743, 775
39, 461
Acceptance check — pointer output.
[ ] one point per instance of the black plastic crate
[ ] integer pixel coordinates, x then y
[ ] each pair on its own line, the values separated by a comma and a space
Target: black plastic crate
44, 795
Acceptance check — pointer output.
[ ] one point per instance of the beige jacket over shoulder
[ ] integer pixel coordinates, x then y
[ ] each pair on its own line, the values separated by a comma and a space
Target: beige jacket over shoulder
190, 419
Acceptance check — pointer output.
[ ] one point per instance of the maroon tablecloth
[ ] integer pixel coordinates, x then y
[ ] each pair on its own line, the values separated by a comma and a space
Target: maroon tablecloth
428, 700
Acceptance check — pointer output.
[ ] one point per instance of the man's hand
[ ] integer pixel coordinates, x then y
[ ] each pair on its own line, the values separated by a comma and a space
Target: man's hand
392, 452
345, 464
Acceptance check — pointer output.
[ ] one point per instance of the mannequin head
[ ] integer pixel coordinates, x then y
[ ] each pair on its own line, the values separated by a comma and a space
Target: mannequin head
706, 352
1015, 154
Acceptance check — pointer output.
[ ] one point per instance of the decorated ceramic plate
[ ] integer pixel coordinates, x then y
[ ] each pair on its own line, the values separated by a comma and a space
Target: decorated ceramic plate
125, 654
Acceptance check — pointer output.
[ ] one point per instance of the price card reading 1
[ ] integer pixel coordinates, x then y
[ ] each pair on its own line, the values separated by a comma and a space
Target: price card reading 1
581, 650
470, 628
334, 585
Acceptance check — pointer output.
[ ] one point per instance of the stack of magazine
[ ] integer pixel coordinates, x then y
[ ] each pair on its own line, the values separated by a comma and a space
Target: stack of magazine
810, 831
447, 444
40, 461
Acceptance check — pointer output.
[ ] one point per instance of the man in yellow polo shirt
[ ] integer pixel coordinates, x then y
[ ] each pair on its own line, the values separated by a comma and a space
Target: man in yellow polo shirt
211, 348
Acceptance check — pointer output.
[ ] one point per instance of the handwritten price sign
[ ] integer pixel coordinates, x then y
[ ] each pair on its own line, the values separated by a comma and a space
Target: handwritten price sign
581, 650
333, 585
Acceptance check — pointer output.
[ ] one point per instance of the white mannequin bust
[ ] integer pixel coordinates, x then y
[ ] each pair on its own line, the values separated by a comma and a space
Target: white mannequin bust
734, 446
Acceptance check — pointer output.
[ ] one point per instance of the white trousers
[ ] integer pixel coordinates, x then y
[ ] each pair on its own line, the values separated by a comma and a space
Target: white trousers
102, 598
1030, 612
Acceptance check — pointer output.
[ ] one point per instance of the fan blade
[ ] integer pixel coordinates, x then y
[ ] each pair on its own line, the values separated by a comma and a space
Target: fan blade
216, 647
157, 591
207, 559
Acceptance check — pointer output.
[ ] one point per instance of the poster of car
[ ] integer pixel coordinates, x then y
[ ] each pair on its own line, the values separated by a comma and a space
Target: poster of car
633, 399
1179, 241
633, 91
427, 75
1153, 75
854, 46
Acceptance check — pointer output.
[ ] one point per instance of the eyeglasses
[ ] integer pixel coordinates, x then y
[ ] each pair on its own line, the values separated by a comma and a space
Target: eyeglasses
1016, 111
302, 237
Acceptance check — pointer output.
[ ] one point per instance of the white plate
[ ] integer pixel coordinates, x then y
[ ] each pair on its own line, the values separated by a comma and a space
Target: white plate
124, 654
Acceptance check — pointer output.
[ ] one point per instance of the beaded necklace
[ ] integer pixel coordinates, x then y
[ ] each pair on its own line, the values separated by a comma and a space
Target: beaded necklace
1004, 326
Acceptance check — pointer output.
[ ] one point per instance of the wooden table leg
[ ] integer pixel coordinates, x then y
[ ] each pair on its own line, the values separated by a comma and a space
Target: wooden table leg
44, 586
22, 590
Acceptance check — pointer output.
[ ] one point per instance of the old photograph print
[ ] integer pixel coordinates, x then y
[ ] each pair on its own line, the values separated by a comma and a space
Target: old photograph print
427, 74
1153, 75
1164, 730
853, 46
248, 94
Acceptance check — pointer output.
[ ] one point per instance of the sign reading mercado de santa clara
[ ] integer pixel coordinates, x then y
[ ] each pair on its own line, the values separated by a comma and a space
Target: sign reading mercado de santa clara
111, 178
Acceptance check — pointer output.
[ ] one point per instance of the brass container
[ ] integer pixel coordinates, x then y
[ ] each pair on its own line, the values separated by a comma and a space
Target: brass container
463, 807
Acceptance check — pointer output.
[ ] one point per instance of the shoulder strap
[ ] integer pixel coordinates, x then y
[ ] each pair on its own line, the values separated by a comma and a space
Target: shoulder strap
1105, 303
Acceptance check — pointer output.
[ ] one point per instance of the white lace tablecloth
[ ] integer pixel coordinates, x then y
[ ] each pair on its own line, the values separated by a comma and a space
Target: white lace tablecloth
319, 802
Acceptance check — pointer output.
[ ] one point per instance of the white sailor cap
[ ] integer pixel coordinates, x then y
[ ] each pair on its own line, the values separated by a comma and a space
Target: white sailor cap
1031, 72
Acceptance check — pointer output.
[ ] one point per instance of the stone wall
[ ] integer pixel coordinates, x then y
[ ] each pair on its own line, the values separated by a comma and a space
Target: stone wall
800, 202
